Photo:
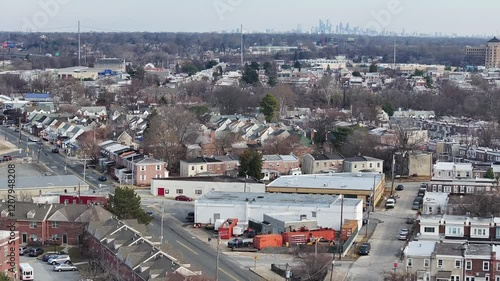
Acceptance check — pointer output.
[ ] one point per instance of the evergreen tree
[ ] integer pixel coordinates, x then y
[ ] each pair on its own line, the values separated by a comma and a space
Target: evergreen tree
126, 204
251, 164
268, 106
489, 174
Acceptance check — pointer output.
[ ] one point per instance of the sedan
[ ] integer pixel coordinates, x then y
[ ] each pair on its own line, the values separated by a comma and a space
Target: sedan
102, 178
55, 150
404, 231
400, 187
64, 267
402, 236
23, 250
183, 198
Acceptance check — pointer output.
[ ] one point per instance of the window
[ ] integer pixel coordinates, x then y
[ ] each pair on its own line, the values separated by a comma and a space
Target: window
192, 168
469, 278
54, 237
455, 278
447, 189
486, 266
33, 237
468, 265
313, 214
198, 192
370, 165
55, 224
498, 266
158, 167
355, 166
179, 191
430, 209
426, 263
378, 165
33, 224
409, 262
479, 232
470, 189
66, 201
429, 229
143, 168
458, 263
143, 177
440, 263
497, 278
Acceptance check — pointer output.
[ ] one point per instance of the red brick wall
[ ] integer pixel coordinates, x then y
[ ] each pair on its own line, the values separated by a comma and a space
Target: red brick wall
149, 173
71, 229
9, 263
24, 227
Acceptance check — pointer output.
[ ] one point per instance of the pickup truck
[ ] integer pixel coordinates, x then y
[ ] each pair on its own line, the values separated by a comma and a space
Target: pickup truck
238, 243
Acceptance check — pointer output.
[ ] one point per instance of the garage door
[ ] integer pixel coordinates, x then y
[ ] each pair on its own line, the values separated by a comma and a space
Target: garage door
161, 191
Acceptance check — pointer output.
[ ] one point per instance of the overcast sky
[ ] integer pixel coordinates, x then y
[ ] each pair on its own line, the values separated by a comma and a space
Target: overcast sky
462, 17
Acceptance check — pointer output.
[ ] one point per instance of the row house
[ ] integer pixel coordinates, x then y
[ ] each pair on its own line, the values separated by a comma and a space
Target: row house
126, 250
276, 165
9, 260
39, 224
461, 187
93, 112
450, 170
129, 165
322, 163
363, 164
209, 166
458, 227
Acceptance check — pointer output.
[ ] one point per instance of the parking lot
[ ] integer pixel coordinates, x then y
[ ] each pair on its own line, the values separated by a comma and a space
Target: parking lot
43, 271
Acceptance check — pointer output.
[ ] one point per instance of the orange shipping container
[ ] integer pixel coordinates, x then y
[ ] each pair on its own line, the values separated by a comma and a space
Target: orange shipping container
267, 240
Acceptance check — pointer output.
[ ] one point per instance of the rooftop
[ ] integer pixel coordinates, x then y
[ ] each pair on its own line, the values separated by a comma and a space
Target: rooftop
46, 182
289, 217
449, 249
274, 199
327, 156
210, 179
478, 249
420, 248
440, 198
343, 181
361, 159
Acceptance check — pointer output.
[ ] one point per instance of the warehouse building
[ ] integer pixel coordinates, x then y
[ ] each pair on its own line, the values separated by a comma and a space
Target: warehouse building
244, 206
350, 185
34, 186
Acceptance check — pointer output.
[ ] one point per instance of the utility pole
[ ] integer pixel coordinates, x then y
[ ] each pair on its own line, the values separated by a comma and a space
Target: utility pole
217, 260
241, 47
339, 246
245, 187
369, 207
84, 166
394, 55
79, 49
392, 176
161, 227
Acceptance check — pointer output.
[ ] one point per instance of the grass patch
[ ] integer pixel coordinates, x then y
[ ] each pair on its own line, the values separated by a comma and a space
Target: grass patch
51, 249
75, 255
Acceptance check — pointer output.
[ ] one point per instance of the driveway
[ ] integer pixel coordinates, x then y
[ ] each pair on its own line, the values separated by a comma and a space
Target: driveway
43, 271
386, 248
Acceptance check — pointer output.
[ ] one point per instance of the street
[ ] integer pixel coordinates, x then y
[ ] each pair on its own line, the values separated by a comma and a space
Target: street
56, 162
191, 249
385, 247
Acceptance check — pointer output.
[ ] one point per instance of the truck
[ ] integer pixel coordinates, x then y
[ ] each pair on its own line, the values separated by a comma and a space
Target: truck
267, 240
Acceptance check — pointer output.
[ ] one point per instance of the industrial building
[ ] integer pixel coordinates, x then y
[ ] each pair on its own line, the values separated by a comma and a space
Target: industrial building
350, 185
34, 186
327, 211
195, 187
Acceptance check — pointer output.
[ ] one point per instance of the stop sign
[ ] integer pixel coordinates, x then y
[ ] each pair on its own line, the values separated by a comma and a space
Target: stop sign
395, 265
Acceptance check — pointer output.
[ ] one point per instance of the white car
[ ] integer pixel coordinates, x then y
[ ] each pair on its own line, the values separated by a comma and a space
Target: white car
64, 267
59, 259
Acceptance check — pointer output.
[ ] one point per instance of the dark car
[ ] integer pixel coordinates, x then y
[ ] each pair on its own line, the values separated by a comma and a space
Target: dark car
151, 214
238, 243
35, 252
182, 198
421, 193
7, 158
190, 217
400, 187
55, 150
47, 257
102, 178
365, 249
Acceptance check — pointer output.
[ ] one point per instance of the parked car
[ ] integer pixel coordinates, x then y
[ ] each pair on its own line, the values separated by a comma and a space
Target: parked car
7, 158
400, 187
64, 267
402, 236
421, 193
404, 231
410, 220
49, 256
151, 214
23, 250
238, 243
102, 178
365, 249
35, 252
55, 150
416, 205
190, 217
390, 203
182, 198
59, 259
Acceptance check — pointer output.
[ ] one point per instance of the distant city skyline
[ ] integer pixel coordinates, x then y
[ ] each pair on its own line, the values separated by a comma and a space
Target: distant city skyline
450, 17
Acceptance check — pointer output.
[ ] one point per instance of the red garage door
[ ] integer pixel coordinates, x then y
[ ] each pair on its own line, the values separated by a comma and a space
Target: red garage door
161, 191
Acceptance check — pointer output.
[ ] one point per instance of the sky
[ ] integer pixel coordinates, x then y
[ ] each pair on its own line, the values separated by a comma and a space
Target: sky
463, 17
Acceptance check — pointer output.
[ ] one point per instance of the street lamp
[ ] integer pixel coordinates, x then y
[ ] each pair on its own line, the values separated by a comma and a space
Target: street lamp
331, 272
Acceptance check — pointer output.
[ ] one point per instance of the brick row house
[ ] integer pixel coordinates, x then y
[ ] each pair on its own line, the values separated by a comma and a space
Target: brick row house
40, 224
129, 165
9, 260
126, 252
336, 163
452, 261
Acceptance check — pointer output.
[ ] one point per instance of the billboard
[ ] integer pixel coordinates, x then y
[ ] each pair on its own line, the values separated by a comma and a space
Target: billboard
8, 45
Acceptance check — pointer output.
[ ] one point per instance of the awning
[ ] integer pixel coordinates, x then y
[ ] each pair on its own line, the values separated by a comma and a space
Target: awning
443, 275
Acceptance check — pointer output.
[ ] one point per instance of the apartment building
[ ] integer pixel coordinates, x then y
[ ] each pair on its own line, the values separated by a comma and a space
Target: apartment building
493, 53
363, 164
322, 163
9, 260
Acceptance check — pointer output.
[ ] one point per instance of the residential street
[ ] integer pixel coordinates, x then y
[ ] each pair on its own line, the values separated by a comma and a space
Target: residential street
386, 248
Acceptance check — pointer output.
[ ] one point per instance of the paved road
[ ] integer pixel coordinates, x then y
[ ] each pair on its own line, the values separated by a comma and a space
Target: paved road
56, 162
191, 249
386, 248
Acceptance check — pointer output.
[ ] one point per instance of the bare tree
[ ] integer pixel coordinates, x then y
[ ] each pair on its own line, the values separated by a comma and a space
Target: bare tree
483, 204
285, 96
279, 145
313, 262
224, 140
43, 82
170, 129
230, 100
487, 135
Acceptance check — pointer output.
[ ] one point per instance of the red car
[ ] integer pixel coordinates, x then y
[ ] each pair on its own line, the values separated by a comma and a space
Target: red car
7, 158
182, 198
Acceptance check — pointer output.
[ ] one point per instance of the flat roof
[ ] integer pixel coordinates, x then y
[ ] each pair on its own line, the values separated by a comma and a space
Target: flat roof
289, 217
436, 197
45, 182
209, 179
341, 181
420, 248
274, 199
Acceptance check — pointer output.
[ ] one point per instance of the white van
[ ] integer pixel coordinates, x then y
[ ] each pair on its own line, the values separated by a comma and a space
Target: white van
390, 203
26, 271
